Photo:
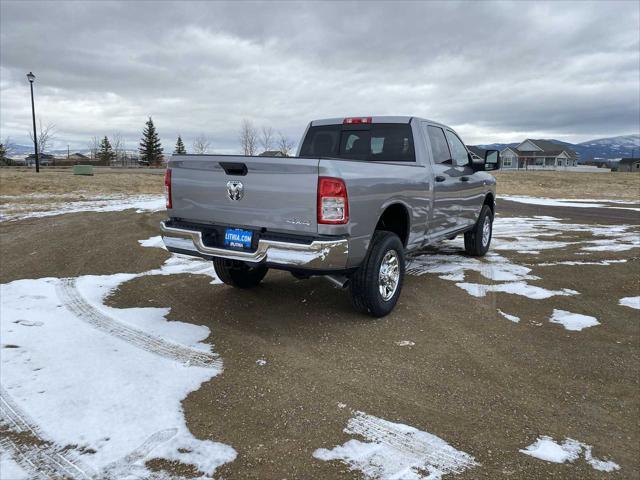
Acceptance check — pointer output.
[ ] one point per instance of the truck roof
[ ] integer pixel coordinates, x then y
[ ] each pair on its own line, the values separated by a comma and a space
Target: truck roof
374, 119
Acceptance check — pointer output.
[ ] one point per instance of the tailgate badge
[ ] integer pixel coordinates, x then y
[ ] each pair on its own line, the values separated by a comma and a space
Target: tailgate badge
235, 190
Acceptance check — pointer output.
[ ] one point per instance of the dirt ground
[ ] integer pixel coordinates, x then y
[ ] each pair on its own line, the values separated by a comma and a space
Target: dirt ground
486, 385
149, 181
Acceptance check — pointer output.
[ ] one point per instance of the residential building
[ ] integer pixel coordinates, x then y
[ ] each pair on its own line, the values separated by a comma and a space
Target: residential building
44, 159
629, 164
538, 154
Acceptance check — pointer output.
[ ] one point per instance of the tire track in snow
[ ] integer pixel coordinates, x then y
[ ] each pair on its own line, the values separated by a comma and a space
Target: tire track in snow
40, 458
394, 450
443, 457
127, 466
83, 310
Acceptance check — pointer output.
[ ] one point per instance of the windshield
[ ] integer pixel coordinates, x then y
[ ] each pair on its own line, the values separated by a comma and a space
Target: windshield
388, 142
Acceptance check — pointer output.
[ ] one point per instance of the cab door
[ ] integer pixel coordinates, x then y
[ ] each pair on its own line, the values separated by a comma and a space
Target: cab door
447, 186
471, 192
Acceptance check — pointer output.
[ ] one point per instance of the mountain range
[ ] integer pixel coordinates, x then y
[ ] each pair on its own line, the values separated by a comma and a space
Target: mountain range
605, 148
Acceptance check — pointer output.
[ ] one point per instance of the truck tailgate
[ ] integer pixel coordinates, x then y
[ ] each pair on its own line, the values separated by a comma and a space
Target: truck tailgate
277, 193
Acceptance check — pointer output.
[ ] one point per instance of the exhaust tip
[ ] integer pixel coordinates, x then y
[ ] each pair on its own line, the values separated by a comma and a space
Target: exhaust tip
339, 281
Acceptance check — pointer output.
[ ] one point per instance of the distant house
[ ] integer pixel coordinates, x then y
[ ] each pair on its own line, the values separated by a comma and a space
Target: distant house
79, 157
44, 159
629, 164
272, 153
538, 154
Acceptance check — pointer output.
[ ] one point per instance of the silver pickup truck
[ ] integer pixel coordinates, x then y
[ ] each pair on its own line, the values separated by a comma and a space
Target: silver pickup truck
361, 194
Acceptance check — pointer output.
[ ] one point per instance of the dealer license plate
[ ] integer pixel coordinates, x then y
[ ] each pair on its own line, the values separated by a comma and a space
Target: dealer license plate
238, 238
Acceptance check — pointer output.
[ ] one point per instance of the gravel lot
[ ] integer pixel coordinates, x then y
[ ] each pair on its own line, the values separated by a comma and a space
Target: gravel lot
267, 383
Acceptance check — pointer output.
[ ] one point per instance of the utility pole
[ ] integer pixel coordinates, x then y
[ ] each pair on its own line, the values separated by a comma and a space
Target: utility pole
31, 77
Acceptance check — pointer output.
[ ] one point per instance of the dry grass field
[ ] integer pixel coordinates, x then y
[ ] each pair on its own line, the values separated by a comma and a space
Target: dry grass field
68, 187
18, 182
614, 185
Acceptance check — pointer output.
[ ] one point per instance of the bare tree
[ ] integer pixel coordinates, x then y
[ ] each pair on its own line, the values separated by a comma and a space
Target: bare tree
248, 137
45, 137
266, 139
201, 144
9, 147
94, 146
285, 144
117, 144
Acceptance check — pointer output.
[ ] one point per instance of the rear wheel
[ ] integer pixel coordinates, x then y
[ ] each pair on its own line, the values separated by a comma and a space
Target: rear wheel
376, 285
239, 274
477, 241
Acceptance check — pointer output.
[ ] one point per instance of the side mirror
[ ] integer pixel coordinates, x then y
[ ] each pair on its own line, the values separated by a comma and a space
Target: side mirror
491, 160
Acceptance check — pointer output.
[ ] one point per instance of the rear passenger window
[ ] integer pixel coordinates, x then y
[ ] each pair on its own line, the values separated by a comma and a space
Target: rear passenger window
439, 145
321, 142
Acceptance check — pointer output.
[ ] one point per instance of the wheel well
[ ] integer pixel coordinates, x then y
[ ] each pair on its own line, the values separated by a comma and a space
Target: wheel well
395, 219
489, 200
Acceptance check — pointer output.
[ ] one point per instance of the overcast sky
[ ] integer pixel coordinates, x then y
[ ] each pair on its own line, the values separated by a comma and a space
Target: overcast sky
497, 72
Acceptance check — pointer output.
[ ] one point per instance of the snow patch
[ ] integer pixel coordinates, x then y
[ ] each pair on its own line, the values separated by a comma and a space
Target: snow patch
9, 469
578, 262
154, 242
106, 379
569, 202
509, 317
573, 321
527, 235
633, 302
178, 263
396, 451
516, 288
110, 203
545, 448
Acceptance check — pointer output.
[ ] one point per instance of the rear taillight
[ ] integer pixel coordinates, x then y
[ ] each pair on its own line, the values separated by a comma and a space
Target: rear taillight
333, 204
167, 186
356, 120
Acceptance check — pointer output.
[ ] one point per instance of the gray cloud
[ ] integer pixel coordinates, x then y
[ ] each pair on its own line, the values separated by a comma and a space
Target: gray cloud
496, 71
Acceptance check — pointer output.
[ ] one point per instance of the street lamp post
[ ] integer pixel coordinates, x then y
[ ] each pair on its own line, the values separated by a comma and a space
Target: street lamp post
31, 77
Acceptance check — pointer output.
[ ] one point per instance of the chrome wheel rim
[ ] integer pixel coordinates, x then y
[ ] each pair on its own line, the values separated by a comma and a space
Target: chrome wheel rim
486, 231
389, 275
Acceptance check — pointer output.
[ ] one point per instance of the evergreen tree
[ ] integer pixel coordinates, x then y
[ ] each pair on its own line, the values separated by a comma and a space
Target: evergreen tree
180, 150
106, 153
150, 147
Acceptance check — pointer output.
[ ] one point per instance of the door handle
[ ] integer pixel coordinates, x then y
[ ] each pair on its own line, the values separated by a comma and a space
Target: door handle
464, 179
440, 178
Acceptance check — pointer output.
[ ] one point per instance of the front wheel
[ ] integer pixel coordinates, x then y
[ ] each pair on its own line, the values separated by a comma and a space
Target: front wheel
376, 285
239, 274
477, 240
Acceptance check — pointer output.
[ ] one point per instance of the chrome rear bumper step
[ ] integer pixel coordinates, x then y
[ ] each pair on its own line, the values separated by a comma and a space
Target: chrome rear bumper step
317, 255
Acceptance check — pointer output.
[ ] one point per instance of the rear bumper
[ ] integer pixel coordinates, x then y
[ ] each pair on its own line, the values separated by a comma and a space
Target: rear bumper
317, 255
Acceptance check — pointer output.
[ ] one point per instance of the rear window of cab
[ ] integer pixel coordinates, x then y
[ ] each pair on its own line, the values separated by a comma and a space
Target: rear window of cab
387, 142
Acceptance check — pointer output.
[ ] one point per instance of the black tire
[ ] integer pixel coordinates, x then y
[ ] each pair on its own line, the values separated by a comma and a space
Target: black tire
239, 274
364, 286
474, 243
